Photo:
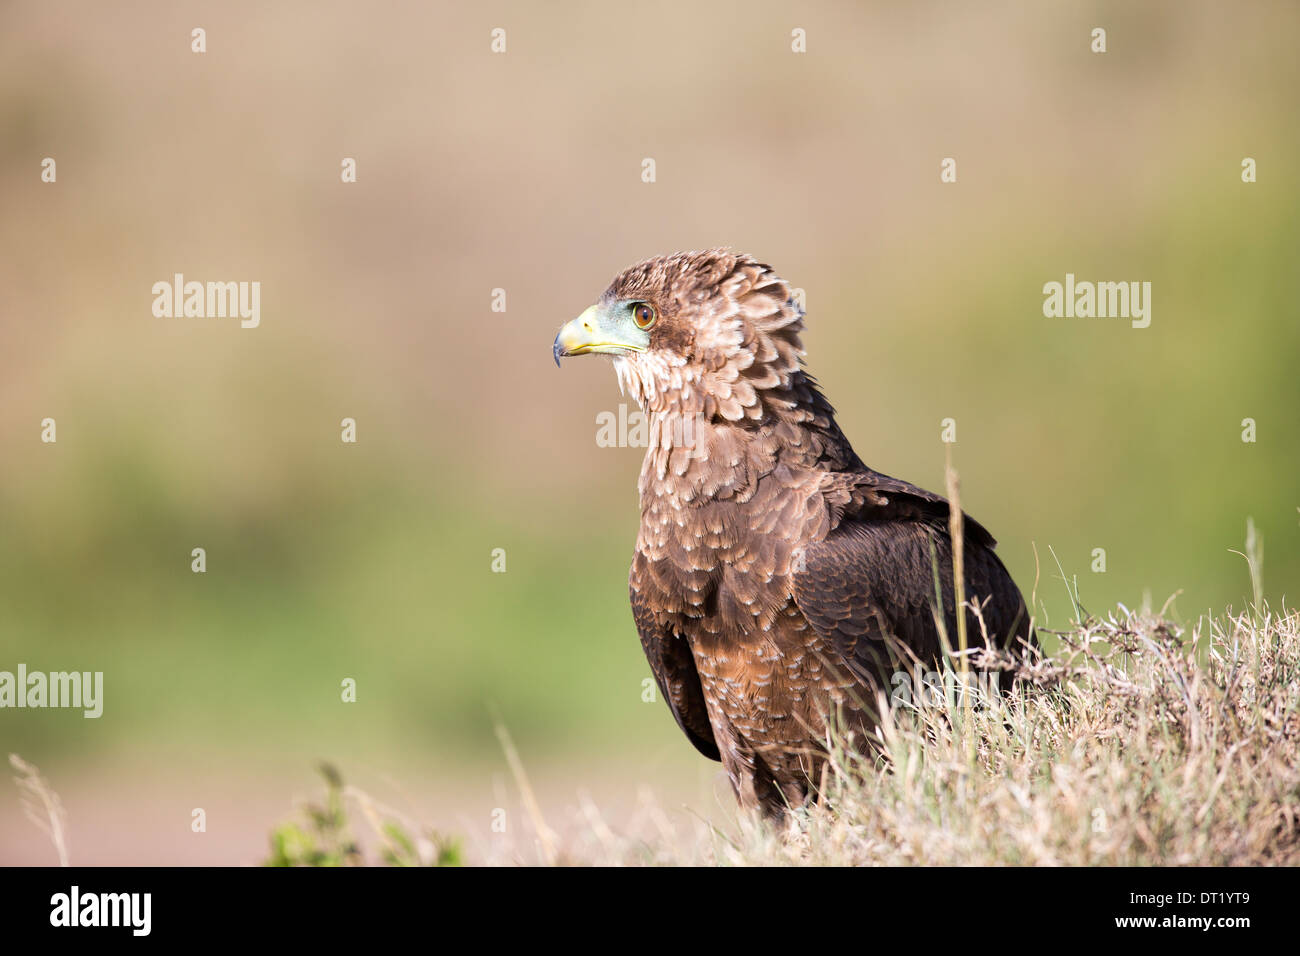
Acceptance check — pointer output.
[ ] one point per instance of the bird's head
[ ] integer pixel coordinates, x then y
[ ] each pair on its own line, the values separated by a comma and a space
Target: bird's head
713, 333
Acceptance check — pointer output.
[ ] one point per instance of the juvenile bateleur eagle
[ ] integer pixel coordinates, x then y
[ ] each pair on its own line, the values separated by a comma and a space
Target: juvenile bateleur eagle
778, 582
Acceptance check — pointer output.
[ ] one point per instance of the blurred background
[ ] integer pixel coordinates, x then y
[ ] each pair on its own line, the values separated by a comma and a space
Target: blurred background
522, 171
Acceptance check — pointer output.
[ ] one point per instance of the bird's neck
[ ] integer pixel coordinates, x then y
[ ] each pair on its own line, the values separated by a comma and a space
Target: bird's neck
693, 458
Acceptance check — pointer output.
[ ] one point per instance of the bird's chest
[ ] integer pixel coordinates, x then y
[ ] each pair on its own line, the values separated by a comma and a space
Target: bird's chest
772, 693
722, 574
709, 567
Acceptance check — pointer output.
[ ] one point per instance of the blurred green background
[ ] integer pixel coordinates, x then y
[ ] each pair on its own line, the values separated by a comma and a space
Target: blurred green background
522, 171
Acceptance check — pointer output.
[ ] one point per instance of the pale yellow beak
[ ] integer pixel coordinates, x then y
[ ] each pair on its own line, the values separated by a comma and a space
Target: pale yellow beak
600, 329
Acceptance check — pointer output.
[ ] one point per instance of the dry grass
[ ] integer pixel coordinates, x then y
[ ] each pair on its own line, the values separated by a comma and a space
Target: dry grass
41, 805
1137, 744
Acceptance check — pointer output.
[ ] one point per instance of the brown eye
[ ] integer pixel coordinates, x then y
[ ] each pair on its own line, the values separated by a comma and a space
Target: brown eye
644, 315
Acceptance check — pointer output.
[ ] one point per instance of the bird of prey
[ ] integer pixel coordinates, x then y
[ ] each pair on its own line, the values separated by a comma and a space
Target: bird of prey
778, 582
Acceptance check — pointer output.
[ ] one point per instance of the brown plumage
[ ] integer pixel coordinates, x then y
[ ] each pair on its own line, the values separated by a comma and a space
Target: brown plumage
778, 581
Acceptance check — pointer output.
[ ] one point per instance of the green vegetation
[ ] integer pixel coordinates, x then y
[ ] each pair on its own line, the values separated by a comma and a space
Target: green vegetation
324, 837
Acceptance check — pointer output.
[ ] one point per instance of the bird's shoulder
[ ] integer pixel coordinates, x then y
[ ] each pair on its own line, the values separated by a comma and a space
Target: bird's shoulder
866, 495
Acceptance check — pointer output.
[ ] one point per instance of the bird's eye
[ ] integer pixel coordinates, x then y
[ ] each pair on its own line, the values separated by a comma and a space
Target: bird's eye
643, 314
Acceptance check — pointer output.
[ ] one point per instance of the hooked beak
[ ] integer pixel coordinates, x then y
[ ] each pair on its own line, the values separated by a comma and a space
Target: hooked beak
606, 330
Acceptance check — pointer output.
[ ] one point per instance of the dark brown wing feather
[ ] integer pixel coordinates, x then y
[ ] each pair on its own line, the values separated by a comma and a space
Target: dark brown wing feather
870, 587
673, 665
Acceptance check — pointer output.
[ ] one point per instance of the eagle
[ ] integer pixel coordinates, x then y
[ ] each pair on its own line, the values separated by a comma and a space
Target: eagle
779, 584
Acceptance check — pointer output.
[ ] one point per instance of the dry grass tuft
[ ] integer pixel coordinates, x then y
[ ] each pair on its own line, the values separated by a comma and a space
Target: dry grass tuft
1137, 744
41, 805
